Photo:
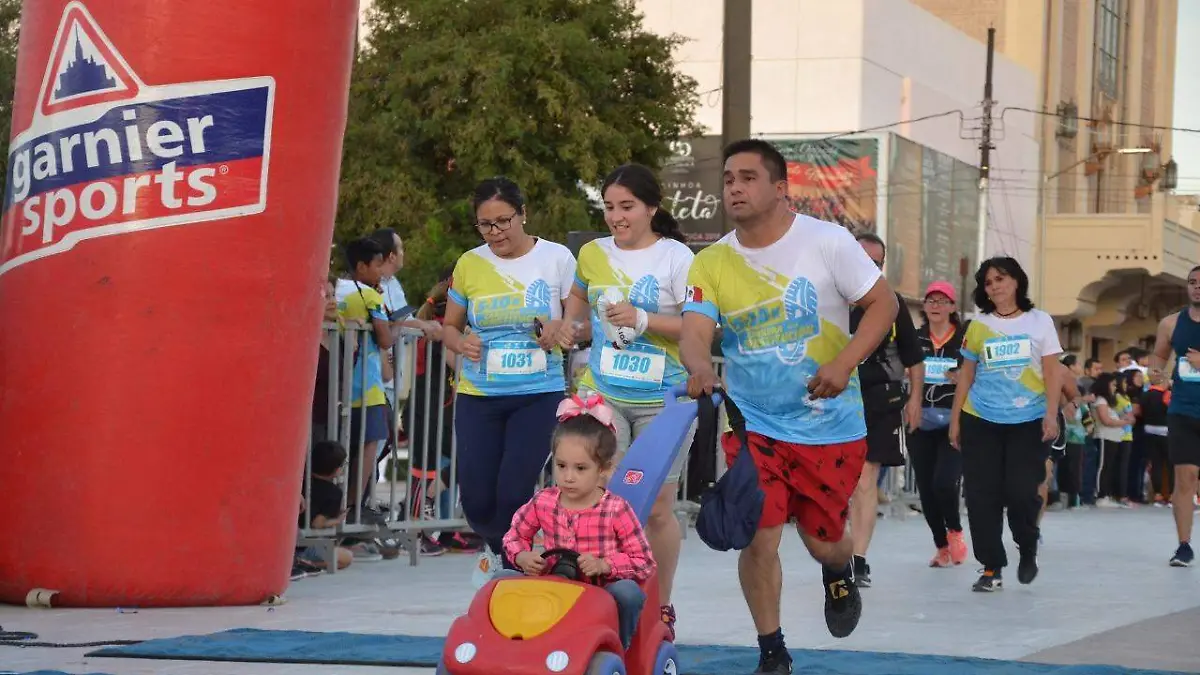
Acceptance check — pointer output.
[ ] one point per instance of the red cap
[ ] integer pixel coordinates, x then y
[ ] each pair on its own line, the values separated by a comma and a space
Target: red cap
943, 287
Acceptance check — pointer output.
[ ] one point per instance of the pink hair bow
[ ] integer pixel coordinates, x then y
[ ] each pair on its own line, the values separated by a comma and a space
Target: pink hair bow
592, 404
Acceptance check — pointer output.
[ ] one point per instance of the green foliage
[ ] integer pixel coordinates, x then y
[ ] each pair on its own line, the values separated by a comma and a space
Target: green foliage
10, 15
550, 93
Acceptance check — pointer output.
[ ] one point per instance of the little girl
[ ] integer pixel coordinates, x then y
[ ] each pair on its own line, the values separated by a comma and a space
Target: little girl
579, 514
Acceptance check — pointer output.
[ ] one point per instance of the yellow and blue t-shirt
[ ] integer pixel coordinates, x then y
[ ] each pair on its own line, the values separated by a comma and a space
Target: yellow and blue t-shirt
503, 298
785, 312
653, 279
1124, 407
1009, 387
364, 304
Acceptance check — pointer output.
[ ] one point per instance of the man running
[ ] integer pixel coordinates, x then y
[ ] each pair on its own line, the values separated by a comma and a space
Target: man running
1180, 333
781, 286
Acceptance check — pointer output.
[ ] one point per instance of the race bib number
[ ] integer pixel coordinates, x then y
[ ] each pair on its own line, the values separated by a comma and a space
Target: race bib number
1007, 352
508, 359
1186, 372
638, 366
935, 369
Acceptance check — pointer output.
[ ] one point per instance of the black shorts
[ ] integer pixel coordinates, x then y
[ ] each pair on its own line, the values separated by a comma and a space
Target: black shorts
1183, 440
885, 438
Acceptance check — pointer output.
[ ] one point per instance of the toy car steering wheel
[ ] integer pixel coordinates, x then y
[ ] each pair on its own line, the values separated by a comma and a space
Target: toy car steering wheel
567, 565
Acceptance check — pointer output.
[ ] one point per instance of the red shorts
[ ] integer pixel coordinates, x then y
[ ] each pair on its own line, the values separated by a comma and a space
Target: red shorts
811, 483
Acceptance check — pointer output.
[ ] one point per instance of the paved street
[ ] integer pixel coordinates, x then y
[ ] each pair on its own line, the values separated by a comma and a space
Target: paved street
1105, 595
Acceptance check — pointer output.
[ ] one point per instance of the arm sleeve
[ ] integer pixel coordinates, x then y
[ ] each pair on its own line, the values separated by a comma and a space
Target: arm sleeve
700, 295
525, 524
853, 271
907, 342
1050, 343
457, 291
566, 273
971, 344
634, 561
681, 265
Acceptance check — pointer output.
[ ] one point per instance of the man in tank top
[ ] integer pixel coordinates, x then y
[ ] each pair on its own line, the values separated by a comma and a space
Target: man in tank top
1180, 334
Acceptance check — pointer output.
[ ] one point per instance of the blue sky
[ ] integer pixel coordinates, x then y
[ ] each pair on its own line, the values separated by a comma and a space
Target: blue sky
1187, 96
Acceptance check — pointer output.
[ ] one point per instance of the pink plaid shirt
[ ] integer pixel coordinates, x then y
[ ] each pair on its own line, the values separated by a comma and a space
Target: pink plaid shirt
609, 530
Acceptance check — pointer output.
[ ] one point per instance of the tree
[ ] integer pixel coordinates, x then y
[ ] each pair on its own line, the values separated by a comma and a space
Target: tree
10, 16
551, 93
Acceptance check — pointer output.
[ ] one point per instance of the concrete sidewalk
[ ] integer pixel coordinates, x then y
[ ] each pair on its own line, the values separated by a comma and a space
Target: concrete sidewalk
1105, 595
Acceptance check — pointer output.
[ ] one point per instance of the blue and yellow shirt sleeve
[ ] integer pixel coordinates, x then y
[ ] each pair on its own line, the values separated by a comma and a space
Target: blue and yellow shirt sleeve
701, 295
971, 343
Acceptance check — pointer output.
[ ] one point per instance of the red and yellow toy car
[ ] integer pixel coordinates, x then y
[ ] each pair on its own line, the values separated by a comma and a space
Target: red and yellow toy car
558, 623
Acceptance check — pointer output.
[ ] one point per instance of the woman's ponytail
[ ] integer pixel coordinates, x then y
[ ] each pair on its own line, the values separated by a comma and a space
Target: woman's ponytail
665, 225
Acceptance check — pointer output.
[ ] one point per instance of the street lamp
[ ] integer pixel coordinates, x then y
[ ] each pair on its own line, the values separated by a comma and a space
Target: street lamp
1042, 210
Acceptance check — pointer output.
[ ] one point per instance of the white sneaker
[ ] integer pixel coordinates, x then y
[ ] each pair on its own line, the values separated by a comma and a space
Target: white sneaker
486, 567
1106, 503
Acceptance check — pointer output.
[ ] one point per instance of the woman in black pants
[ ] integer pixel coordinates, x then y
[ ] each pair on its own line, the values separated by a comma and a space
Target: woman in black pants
936, 465
1005, 414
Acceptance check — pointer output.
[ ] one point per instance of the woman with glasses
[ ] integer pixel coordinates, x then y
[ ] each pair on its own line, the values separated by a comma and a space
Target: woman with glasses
937, 465
509, 293
1005, 415
633, 285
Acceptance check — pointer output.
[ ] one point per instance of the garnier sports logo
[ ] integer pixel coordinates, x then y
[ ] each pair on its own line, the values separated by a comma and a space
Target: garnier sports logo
108, 154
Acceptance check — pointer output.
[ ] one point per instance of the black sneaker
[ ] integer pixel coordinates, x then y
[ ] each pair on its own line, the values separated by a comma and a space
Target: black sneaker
1027, 569
843, 606
779, 663
989, 582
1183, 556
862, 572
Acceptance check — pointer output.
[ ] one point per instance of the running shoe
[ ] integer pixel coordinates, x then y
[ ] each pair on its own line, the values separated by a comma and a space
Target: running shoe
779, 663
460, 542
1027, 568
668, 617
486, 567
989, 582
942, 558
1183, 556
843, 604
958, 547
862, 572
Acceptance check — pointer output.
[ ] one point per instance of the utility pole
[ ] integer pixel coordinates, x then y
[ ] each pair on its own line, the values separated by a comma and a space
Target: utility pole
735, 82
985, 150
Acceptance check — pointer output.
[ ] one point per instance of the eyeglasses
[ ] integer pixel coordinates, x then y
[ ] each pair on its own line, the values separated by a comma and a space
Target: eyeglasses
939, 302
499, 225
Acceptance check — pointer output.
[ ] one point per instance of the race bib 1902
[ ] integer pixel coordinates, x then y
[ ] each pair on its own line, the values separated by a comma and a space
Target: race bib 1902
638, 366
1007, 352
507, 359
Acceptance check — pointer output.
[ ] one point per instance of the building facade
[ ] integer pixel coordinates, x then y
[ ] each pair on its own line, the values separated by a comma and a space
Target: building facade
1117, 244
908, 87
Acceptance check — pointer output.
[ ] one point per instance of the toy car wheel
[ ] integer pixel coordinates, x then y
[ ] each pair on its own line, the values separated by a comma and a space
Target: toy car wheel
606, 663
667, 661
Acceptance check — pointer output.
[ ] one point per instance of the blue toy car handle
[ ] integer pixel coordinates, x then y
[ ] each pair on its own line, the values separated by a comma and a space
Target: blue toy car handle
679, 391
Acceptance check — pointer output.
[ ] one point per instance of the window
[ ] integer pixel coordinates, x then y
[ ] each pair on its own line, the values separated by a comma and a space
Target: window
1108, 46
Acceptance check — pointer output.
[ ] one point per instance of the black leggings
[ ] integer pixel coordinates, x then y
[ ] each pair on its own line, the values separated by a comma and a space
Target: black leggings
1114, 469
1070, 473
1003, 467
937, 467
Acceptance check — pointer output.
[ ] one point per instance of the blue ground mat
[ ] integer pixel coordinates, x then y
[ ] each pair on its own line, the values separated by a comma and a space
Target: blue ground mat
353, 649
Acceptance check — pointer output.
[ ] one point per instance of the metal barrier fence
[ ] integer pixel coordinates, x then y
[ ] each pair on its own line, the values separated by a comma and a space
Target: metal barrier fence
406, 487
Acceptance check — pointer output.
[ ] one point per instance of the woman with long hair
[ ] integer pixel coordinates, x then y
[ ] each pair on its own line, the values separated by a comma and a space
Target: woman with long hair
632, 285
1110, 428
509, 291
1005, 415
937, 465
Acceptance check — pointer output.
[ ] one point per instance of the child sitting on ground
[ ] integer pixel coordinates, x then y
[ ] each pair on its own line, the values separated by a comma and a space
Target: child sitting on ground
325, 503
599, 525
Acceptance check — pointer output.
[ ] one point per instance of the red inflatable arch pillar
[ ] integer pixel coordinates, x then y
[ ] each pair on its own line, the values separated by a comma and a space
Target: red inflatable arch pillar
171, 191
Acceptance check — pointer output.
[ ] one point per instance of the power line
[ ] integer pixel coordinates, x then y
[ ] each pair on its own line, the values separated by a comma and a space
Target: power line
1136, 125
